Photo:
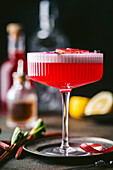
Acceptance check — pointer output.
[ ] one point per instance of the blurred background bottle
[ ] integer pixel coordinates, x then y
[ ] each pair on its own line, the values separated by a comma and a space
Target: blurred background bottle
16, 51
48, 37
21, 100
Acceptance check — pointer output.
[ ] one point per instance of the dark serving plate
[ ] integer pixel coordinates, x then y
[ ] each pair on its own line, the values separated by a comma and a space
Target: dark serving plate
39, 148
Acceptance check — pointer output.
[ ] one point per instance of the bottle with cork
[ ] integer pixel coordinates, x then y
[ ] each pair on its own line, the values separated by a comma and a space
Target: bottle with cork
21, 100
16, 51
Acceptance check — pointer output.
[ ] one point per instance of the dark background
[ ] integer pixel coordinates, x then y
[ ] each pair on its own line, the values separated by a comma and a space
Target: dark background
87, 23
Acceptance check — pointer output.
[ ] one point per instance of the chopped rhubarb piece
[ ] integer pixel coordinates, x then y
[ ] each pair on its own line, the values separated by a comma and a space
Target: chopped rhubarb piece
77, 50
62, 51
86, 51
97, 145
70, 50
73, 50
88, 148
91, 149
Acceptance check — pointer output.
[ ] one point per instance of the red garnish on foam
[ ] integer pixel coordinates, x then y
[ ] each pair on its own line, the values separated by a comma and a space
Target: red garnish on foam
91, 148
69, 50
62, 51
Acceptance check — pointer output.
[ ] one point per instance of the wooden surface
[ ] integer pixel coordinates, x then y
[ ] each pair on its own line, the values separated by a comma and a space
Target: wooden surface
53, 123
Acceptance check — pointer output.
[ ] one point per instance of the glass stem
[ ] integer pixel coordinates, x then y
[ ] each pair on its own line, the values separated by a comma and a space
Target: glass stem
65, 107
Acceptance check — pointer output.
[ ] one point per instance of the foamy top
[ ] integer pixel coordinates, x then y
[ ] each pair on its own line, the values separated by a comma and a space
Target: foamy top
51, 57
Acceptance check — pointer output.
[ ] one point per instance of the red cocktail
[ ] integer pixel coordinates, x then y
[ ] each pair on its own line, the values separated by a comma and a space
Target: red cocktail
65, 71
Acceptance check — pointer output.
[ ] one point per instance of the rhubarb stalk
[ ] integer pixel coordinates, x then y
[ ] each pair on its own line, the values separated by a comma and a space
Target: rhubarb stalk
17, 136
4, 145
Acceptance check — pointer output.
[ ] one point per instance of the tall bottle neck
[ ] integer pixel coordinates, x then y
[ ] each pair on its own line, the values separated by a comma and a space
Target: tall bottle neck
16, 47
46, 18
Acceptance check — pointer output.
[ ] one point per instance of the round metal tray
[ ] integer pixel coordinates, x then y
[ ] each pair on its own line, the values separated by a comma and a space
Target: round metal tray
40, 148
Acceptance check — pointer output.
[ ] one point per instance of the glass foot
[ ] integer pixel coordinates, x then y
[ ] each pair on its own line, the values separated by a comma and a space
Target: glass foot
64, 151
69, 152
48, 150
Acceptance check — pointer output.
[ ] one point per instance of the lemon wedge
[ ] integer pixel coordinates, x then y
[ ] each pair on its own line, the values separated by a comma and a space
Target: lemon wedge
101, 103
77, 106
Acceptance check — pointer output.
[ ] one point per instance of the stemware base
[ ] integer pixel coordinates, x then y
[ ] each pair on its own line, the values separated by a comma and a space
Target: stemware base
50, 147
44, 148
71, 151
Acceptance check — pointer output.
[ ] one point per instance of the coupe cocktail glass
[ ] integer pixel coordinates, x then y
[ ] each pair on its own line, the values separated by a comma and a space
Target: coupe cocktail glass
65, 71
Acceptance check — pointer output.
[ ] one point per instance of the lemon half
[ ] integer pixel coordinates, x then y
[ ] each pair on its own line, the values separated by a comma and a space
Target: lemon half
101, 103
77, 106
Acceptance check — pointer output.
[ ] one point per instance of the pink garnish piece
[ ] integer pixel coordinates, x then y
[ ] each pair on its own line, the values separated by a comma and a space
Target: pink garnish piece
70, 50
97, 145
91, 149
62, 51
77, 50
88, 148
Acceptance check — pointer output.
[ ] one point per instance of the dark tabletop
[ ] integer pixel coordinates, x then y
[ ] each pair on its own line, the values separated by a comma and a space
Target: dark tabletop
85, 127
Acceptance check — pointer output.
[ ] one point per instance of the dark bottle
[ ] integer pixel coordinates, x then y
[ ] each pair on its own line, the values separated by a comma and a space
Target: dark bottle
47, 38
16, 51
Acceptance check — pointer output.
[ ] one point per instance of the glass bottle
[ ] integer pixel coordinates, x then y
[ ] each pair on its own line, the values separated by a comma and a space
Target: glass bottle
48, 37
21, 101
16, 51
